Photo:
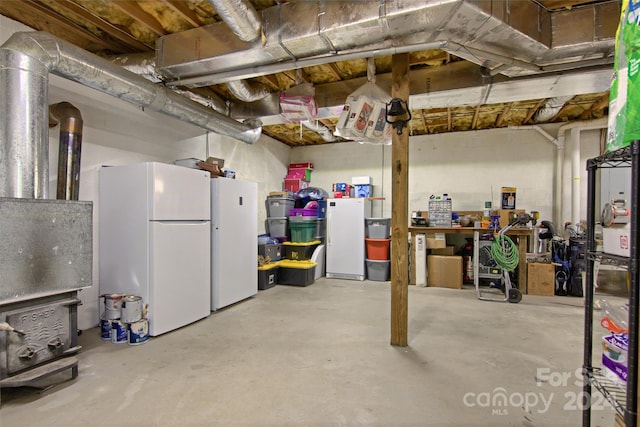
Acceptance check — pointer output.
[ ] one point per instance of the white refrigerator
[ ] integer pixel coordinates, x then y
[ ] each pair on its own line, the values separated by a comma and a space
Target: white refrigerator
234, 241
154, 225
345, 238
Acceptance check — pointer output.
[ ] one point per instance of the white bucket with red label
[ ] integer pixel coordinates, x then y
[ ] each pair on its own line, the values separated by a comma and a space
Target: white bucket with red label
112, 302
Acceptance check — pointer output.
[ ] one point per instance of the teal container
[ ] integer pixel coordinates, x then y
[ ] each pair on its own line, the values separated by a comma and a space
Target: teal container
303, 228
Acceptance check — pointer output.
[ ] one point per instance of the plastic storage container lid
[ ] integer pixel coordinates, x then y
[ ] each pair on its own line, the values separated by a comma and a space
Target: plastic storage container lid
305, 264
313, 242
301, 218
269, 266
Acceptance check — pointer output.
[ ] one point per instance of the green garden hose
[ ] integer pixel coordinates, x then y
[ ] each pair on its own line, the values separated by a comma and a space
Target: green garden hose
505, 252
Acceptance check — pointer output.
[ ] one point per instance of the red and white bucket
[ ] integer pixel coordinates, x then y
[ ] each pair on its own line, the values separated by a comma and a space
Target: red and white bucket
112, 302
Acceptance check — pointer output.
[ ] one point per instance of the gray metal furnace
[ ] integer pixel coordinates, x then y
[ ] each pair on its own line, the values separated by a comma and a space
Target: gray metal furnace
46, 258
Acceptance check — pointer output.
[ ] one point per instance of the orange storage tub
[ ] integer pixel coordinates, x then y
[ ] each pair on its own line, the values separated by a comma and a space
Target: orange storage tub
377, 249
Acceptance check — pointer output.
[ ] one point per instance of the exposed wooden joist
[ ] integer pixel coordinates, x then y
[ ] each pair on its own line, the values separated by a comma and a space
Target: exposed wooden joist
601, 103
449, 121
424, 121
188, 14
335, 71
476, 114
296, 75
399, 209
560, 112
271, 81
46, 19
534, 110
111, 30
503, 114
134, 10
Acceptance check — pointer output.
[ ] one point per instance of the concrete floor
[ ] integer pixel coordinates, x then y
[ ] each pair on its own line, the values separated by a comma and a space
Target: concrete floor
320, 356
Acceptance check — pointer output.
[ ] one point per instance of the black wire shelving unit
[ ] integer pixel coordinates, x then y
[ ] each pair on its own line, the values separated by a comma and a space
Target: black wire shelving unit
624, 402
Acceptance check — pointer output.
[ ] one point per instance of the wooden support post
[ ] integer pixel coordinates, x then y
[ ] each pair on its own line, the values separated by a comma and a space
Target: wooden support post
399, 208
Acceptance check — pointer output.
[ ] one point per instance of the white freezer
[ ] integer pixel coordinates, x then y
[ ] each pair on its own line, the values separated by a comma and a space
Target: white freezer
345, 244
154, 225
234, 241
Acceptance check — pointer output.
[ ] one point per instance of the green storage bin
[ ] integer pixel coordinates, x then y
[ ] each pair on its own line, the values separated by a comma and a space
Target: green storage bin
303, 229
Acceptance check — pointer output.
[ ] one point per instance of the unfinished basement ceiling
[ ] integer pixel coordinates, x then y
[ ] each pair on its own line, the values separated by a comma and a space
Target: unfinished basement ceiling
473, 64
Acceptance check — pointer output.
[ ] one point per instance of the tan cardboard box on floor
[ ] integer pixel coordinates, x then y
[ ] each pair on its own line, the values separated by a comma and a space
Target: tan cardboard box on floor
541, 279
444, 271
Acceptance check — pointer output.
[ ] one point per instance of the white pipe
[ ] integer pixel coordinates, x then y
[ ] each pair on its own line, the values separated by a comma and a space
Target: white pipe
558, 167
576, 166
558, 195
559, 142
574, 148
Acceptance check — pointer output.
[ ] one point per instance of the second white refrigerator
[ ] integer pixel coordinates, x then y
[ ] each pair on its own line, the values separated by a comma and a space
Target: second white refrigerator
345, 238
234, 241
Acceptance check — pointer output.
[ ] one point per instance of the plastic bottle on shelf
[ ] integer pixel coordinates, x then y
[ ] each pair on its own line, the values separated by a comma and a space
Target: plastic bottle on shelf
614, 318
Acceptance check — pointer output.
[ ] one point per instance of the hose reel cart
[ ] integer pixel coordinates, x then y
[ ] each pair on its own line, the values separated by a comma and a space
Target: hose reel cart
505, 254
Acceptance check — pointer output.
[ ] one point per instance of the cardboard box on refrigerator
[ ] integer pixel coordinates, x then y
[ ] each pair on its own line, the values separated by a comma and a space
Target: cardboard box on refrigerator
444, 271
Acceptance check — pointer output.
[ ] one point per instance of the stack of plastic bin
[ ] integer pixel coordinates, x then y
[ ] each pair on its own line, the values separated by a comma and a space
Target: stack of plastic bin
296, 268
378, 242
278, 207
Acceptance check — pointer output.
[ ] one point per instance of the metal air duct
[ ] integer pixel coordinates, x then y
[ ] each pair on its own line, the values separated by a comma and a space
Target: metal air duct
516, 38
241, 17
323, 131
27, 58
248, 91
70, 149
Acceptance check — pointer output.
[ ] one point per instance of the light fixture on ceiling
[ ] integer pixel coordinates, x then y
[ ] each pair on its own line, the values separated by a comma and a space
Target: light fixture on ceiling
397, 114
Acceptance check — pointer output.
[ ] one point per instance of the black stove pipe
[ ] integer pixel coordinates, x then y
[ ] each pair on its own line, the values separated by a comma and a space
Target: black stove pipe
69, 150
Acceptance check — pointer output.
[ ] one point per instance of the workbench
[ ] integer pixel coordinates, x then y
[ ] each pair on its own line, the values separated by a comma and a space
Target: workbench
521, 234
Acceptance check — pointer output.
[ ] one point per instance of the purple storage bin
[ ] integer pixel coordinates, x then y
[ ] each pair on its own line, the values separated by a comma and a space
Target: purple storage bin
303, 212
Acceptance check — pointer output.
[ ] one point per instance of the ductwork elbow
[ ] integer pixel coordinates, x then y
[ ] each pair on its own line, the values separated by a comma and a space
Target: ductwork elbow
241, 17
46, 53
247, 91
322, 130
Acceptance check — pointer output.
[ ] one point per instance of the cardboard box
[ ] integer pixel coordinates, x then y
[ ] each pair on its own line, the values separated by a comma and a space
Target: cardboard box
361, 180
616, 240
508, 199
444, 271
541, 279
303, 165
504, 215
436, 241
448, 251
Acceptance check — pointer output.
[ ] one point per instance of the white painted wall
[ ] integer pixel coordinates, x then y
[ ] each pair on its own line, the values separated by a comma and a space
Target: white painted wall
471, 167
